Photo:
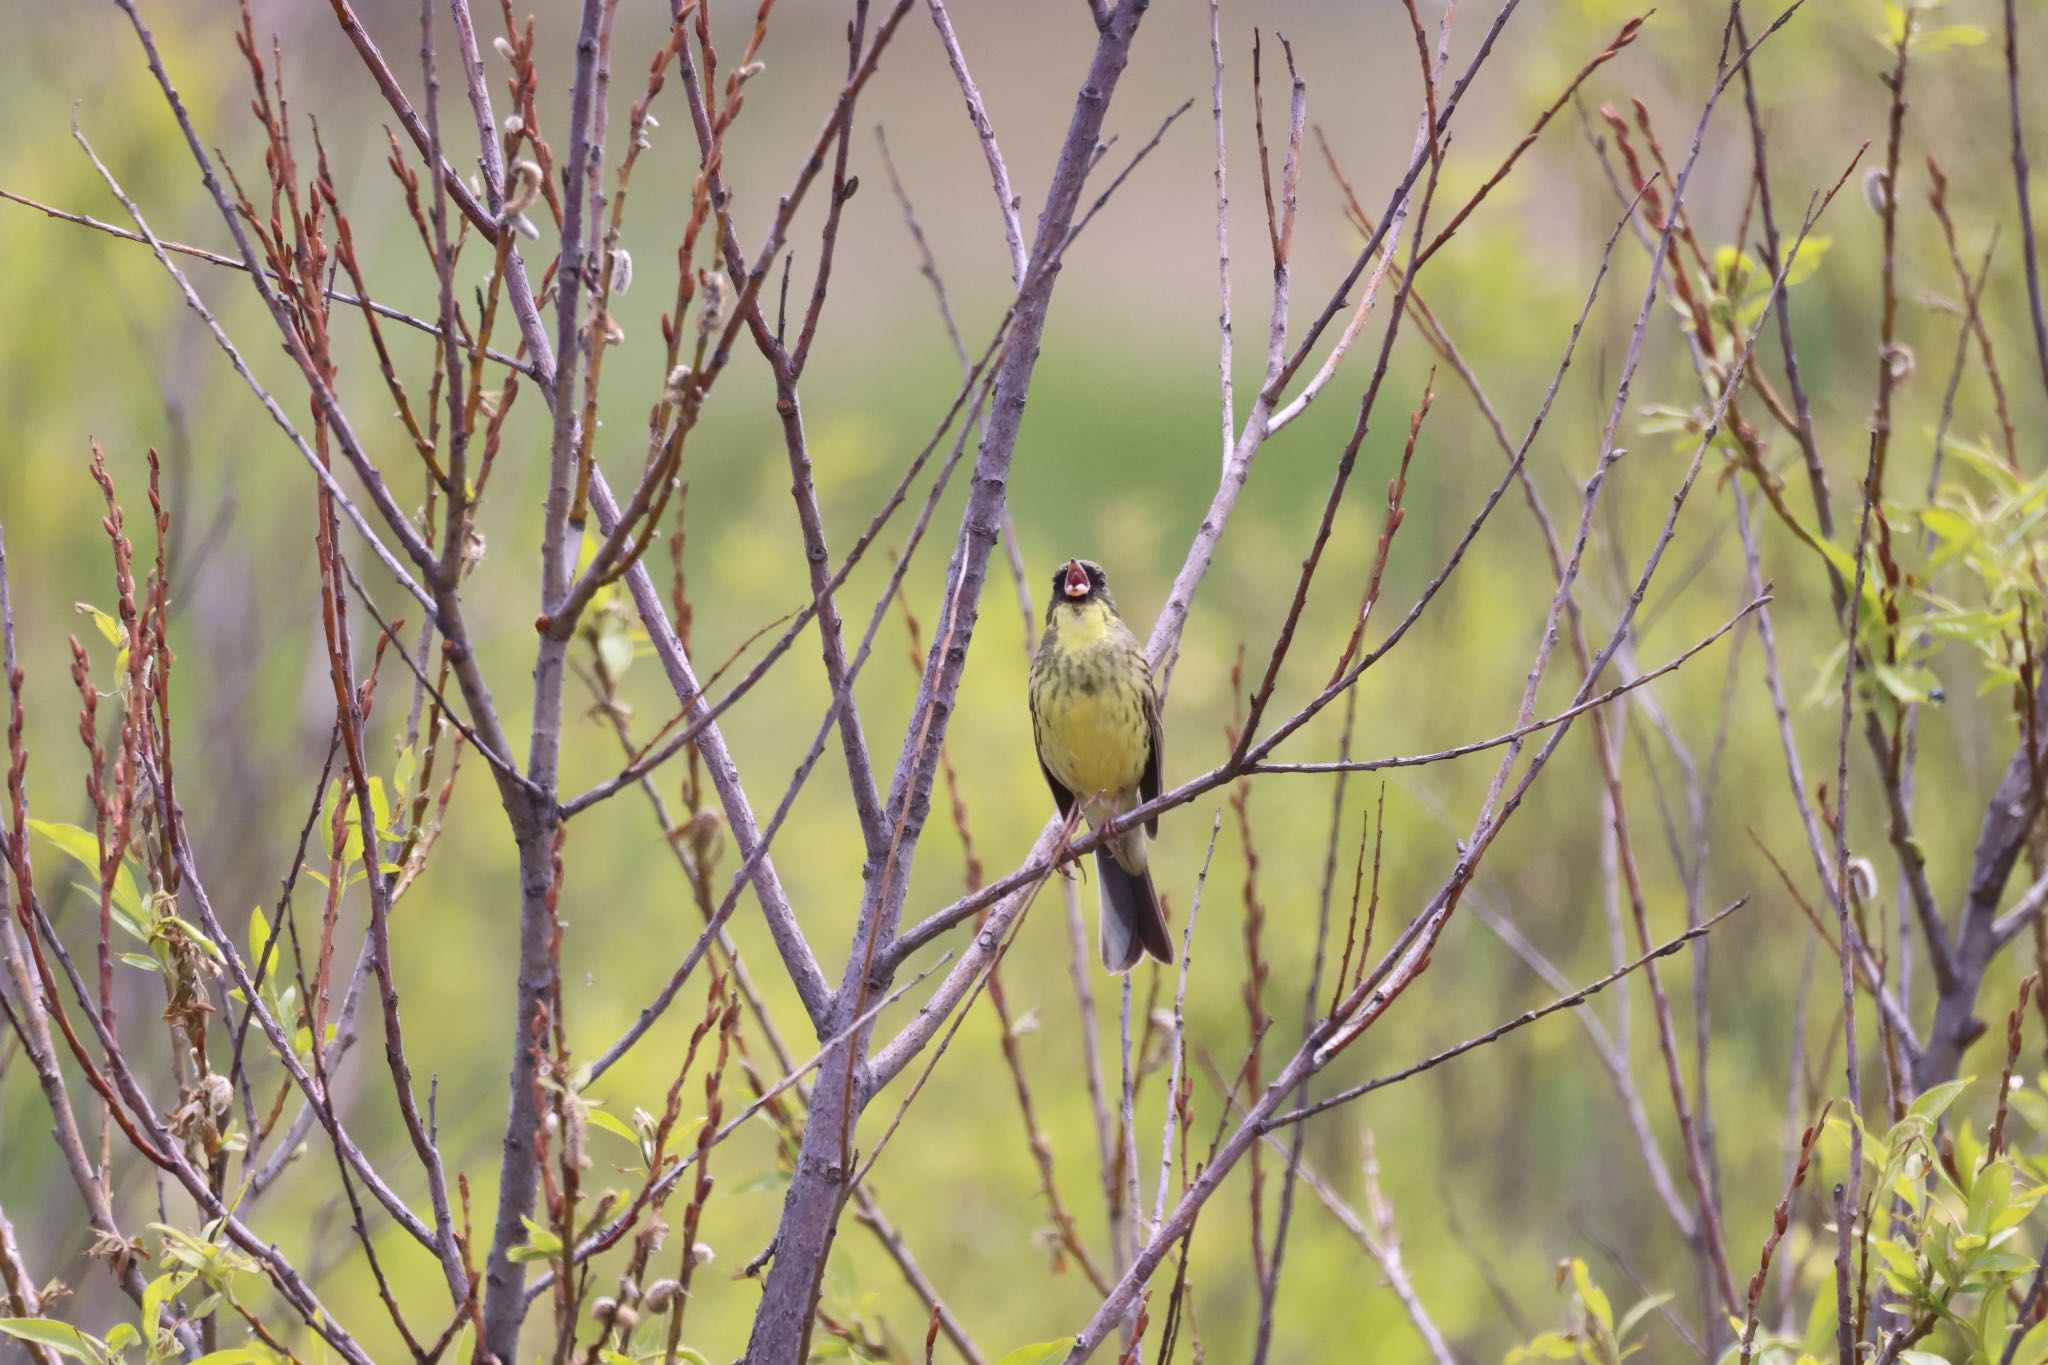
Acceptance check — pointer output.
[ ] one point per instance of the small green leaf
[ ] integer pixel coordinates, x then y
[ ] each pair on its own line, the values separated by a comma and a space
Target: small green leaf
154, 1296
2033, 1346
109, 628
1894, 23
541, 1244
1941, 40
1913, 685
1657, 419
60, 1337
611, 1123
83, 847
1969, 626
259, 939
1594, 1296
1934, 1101
1989, 464
380, 804
1804, 264
1638, 1313
1040, 1353
1844, 563
616, 651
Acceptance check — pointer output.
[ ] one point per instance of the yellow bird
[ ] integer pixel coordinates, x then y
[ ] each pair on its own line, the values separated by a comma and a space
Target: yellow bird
1095, 717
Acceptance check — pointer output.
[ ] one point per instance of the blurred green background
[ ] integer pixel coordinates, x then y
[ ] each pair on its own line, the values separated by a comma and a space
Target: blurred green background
1522, 1148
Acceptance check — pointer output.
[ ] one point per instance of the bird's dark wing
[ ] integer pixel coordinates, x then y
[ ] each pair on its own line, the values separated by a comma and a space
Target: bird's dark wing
1155, 758
1062, 798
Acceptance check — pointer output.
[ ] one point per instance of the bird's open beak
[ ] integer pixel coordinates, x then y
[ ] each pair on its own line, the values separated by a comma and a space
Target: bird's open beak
1077, 580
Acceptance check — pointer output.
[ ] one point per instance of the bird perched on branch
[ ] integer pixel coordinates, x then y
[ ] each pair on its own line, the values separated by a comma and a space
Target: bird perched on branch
1095, 716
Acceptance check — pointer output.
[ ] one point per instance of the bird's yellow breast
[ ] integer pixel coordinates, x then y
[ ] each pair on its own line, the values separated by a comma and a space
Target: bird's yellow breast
1093, 741
1088, 689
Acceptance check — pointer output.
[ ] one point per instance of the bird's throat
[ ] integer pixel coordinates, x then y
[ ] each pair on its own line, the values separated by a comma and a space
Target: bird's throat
1083, 624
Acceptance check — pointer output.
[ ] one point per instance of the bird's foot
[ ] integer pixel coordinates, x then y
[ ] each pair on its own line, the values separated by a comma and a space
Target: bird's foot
1065, 859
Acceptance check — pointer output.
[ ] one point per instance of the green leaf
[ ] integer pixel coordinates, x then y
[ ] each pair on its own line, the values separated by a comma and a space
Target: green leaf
1656, 419
1844, 563
1935, 1101
541, 1244
2033, 1347
1913, 685
234, 1355
1807, 261
109, 628
302, 1039
154, 1295
1040, 1353
1941, 40
60, 1337
1990, 1195
1594, 1296
1638, 1313
616, 651
1989, 464
380, 805
611, 1123
342, 805
1969, 626
83, 847
404, 770
259, 942
1733, 268
1946, 523
142, 960
122, 1335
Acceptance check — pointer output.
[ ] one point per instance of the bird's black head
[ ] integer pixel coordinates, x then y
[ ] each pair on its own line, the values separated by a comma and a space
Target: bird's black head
1078, 581
1078, 585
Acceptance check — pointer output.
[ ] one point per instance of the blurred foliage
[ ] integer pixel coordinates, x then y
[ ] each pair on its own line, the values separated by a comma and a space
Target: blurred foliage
1503, 1166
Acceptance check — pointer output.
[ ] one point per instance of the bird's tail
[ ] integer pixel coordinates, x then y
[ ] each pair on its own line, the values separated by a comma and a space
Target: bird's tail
1132, 921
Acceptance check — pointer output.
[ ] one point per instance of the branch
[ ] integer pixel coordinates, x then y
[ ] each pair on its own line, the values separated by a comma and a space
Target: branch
1520, 732
382, 310
270, 404
485, 221
817, 1189
2021, 188
1522, 1020
409, 539
1007, 202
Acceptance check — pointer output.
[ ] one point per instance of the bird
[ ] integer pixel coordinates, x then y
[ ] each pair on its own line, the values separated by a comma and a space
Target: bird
1095, 721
